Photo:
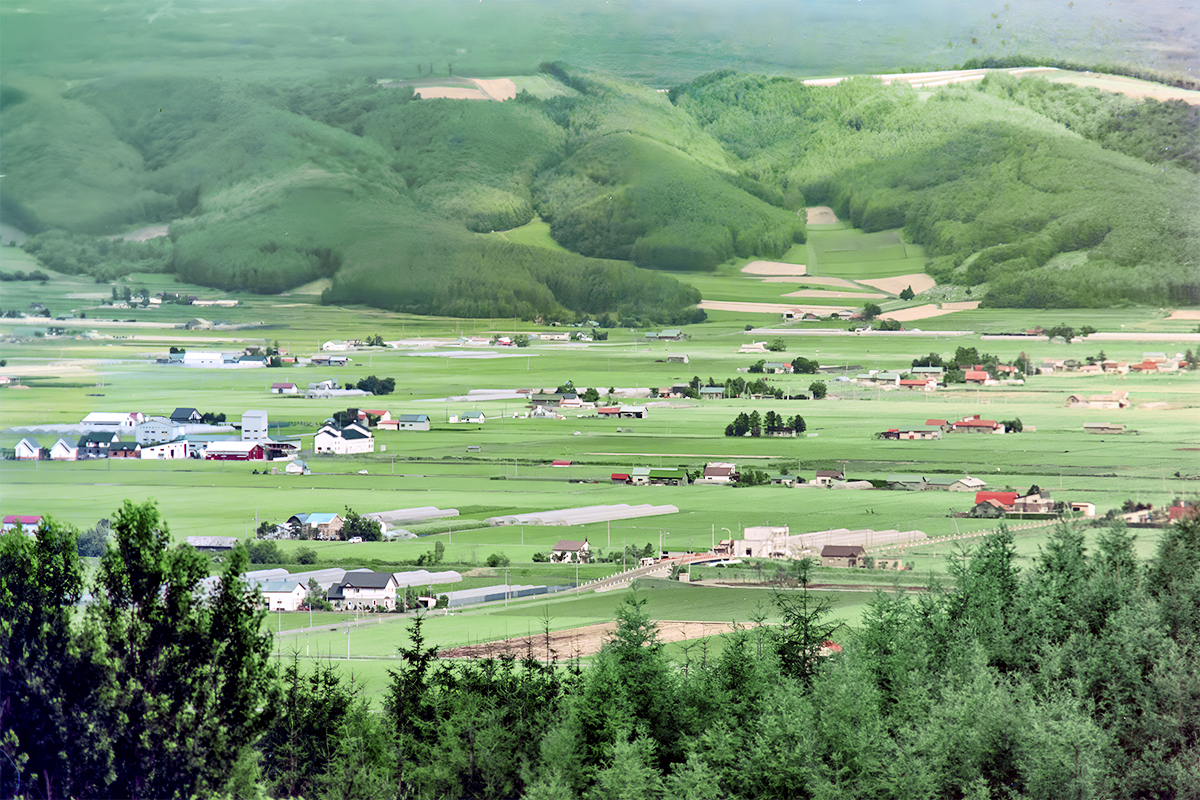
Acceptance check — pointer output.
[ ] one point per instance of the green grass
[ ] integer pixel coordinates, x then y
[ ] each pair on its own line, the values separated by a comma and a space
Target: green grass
374, 640
535, 233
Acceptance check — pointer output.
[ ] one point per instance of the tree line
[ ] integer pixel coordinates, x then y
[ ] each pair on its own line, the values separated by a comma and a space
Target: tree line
1078, 676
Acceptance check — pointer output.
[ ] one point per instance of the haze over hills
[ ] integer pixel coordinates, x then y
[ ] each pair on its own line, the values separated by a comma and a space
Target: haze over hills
264, 135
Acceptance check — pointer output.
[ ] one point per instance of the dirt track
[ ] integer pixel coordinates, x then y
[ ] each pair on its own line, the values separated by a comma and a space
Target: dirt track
581, 642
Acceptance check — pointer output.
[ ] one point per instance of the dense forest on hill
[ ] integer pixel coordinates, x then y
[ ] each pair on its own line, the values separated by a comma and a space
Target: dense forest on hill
1039, 194
1076, 678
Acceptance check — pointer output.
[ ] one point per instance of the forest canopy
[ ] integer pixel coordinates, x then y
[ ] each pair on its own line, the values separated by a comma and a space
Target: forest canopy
1037, 194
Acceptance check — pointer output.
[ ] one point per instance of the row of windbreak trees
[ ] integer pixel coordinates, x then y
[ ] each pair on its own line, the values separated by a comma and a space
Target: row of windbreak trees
1076, 677
1051, 196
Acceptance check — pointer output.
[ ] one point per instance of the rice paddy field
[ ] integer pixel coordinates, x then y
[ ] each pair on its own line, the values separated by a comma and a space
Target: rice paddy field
105, 362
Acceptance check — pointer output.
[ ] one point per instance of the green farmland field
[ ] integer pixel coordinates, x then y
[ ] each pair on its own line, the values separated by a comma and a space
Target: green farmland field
64, 377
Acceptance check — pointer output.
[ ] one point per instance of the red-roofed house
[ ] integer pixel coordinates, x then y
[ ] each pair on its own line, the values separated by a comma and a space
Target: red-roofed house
284, 388
1174, 513
976, 376
620, 477
917, 385
19, 521
976, 425
1004, 498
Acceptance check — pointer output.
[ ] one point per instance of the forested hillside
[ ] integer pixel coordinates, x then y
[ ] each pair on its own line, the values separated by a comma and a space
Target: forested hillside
1051, 196
1038, 195
1076, 678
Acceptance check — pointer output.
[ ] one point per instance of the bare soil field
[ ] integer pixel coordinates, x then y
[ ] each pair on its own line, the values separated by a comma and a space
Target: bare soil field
821, 215
774, 268
581, 642
930, 310
496, 88
1190, 314
449, 93
767, 308
919, 282
838, 295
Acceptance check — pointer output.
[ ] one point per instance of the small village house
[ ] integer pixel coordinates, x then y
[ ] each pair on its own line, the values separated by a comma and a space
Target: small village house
320, 525
95, 444
125, 450
365, 590
185, 416
21, 522
283, 594
839, 555
719, 472
62, 450
825, 477
28, 450
568, 551
352, 439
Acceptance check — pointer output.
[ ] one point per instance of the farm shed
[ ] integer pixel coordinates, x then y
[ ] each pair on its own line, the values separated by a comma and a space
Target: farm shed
284, 388
835, 555
410, 515
584, 515
120, 421
235, 451
166, 450
907, 483
955, 483
213, 543
976, 425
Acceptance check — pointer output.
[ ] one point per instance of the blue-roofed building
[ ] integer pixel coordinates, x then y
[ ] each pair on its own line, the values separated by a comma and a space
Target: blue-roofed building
316, 526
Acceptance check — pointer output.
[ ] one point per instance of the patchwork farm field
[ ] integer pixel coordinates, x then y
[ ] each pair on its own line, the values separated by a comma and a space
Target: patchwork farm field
61, 378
